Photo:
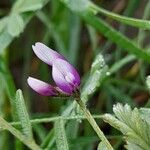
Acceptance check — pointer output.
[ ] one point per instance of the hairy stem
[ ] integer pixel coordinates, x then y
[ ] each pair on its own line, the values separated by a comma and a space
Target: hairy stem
94, 124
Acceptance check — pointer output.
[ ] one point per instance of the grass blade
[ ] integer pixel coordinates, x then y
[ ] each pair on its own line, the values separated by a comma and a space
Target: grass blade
145, 24
88, 15
8, 85
98, 72
115, 36
60, 134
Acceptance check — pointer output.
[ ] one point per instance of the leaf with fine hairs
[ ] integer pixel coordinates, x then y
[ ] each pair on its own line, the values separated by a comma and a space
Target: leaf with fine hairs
134, 127
23, 114
60, 135
98, 73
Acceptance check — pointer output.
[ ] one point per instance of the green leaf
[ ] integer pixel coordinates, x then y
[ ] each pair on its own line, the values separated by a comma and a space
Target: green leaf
27, 5
98, 73
15, 24
6, 36
115, 36
5, 40
9, 85
23, 114
93, 37
117, 65
131, 146
112, 34
48, 140
2, 102
77, 5
145, 114
3, 23
74, 41
86, 5
132, 125
145, 24
102, 146
60, 134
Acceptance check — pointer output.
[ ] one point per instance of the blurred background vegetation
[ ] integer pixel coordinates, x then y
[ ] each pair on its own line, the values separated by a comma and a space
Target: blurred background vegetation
74, 36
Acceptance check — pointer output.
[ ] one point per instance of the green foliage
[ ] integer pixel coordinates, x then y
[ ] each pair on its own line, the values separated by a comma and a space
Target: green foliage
15, 24
145, 114
86, 5
22, 6
145, 24
3, 23
101, 146
48, 141
61, 139
76, 29
116, 66
8, 84
116, 37
78, 5
28, 142
132, 125
99, 71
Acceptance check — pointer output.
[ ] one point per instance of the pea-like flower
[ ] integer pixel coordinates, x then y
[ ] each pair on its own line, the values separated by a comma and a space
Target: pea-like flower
64, 74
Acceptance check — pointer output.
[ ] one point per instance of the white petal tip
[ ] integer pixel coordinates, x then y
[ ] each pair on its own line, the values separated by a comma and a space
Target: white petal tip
41, 87
45, 53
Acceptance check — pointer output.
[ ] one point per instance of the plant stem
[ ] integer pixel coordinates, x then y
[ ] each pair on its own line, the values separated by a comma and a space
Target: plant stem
94, 124
27, 141
52, 119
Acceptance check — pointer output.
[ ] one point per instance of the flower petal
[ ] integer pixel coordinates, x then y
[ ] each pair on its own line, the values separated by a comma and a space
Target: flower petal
60, 81
46, 54
67, 70
41, 87
65, 75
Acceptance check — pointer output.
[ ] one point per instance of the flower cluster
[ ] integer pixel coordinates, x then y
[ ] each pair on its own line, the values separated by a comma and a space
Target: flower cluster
64, 74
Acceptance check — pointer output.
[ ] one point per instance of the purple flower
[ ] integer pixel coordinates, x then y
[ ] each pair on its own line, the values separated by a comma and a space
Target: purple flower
45, 53
41, 87
64, 74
